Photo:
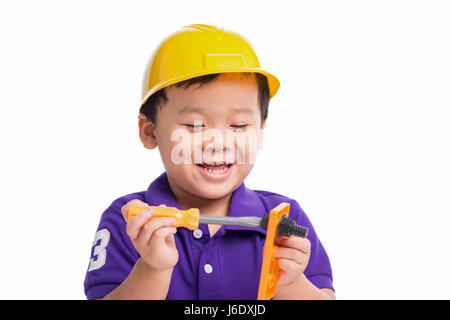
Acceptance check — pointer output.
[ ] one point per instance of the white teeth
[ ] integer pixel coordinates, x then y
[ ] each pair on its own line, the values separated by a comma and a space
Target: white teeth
216, 171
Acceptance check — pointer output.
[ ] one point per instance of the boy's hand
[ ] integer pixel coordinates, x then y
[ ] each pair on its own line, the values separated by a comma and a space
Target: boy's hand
293, 256
153, 240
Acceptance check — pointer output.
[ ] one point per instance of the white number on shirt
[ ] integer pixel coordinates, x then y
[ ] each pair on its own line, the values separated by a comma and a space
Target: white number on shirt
100, 250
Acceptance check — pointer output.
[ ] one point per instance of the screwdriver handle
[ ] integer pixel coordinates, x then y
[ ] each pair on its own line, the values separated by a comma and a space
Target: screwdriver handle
183, 218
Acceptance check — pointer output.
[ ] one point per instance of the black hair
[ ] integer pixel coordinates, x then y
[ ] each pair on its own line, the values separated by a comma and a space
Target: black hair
159, 98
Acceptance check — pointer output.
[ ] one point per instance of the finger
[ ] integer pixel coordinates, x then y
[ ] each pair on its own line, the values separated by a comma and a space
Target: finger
291, 254
302, 244
160, 235
127, 206
135, 225
162, 205
288, 266
152, 226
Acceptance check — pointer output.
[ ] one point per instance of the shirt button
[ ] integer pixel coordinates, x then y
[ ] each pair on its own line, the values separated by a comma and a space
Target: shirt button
198, 233
208, 268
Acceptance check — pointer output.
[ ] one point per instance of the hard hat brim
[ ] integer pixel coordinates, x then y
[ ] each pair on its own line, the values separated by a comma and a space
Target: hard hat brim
274, 83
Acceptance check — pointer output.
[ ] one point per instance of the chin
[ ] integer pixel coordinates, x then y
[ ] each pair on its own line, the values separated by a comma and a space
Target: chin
214, 192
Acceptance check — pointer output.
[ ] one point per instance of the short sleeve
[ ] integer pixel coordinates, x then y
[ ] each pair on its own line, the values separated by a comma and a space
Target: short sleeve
318, 270
112, 254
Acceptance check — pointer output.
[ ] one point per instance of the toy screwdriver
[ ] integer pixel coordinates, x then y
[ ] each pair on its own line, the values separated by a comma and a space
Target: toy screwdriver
191, 218
276, 223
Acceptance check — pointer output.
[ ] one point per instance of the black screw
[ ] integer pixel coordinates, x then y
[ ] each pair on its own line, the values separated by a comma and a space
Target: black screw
286, 227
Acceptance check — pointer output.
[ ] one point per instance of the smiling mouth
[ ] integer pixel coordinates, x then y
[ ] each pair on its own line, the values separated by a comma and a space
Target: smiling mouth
215, 168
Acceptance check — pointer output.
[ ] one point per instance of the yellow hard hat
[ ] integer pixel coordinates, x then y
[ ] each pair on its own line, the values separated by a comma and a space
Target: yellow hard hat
197, 50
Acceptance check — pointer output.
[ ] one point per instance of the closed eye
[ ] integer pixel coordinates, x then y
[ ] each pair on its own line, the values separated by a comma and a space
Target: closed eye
239, 126
193, 126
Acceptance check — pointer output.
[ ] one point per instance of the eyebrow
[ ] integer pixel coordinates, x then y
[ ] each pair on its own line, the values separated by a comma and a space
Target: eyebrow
191, 109
242, 110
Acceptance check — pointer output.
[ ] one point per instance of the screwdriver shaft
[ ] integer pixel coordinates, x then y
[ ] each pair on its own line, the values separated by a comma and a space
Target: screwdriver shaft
251, 222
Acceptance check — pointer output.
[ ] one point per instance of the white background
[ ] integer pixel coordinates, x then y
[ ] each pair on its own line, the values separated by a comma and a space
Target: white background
358, 133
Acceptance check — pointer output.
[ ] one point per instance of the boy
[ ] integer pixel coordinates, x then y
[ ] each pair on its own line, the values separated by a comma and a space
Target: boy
205, 102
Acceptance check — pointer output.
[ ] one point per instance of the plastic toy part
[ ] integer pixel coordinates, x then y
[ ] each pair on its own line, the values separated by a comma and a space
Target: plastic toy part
287, 227
270, 270
277, 223
183, 218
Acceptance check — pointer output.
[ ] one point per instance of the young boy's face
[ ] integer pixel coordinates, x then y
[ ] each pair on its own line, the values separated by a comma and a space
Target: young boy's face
207, 135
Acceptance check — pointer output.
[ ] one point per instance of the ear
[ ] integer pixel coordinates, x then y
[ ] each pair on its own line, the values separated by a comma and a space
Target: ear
147, 132
261, 135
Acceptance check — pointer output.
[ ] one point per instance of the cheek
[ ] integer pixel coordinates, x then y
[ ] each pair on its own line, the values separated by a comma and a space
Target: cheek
176, 149
243, 169
246, 148
165, 148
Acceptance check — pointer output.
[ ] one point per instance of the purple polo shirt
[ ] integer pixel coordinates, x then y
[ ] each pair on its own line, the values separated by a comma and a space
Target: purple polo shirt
225, 266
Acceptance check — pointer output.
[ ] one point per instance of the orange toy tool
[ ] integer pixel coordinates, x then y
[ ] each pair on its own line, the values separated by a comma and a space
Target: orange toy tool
270, 270
183, 218
276, 223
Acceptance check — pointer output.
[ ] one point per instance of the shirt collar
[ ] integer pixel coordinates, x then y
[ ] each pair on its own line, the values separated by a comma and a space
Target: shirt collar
244, 202
159, 192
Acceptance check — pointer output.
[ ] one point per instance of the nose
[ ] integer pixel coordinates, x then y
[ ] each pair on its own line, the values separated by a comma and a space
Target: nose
217, 146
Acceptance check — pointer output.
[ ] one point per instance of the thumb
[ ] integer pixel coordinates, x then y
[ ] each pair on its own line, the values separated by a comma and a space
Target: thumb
127, 206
